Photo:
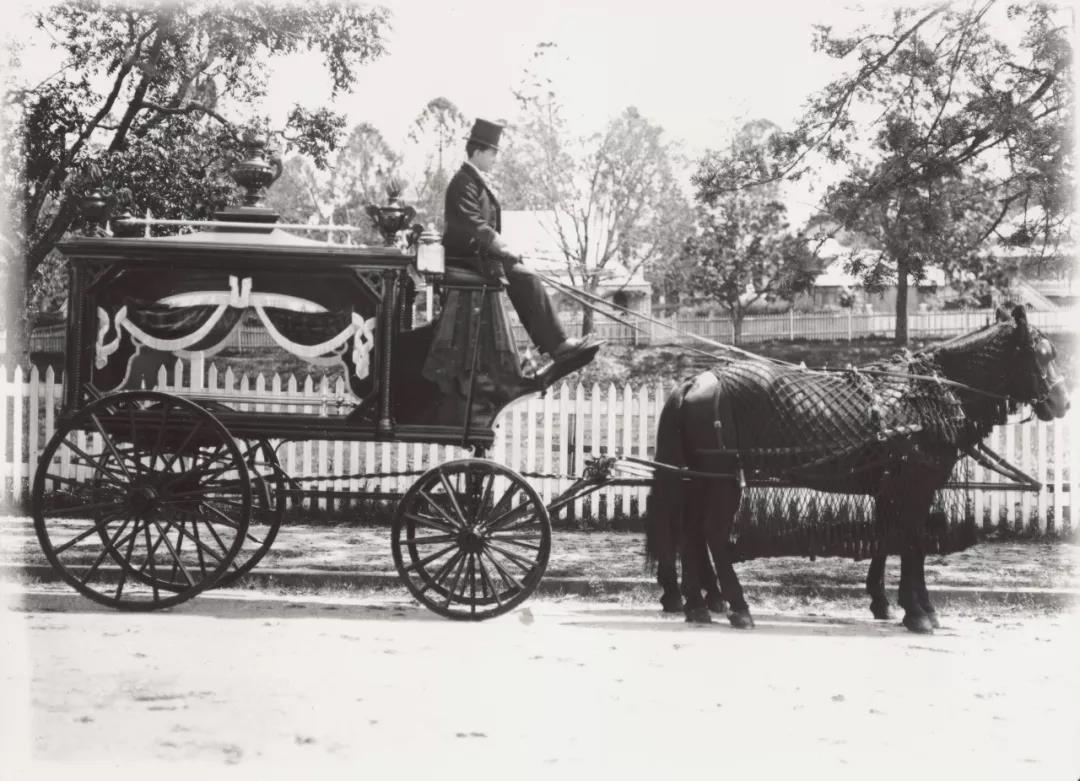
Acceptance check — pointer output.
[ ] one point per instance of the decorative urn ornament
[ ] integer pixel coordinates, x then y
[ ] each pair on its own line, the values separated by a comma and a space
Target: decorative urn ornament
256, 172
392, 218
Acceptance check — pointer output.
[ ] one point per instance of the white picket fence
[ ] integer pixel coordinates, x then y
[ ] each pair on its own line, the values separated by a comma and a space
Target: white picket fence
546, 438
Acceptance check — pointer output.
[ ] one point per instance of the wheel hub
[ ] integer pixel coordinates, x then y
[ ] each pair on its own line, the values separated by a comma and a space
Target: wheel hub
143, 499
470, 542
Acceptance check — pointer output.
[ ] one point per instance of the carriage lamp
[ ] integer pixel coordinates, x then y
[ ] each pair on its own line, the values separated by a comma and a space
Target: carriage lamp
430, 256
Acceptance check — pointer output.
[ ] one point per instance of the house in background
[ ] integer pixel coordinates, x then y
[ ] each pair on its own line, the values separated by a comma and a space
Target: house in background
534, 234
835, 288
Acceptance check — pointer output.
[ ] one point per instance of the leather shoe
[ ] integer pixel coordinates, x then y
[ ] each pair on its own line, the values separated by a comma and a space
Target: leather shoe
572, 347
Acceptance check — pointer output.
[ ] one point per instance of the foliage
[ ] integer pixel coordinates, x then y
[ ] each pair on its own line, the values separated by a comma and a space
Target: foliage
612, 197
437, 133
945, 136
153, 97
743, 252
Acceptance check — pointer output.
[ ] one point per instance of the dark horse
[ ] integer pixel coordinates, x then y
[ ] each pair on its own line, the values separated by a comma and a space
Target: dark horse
892, 430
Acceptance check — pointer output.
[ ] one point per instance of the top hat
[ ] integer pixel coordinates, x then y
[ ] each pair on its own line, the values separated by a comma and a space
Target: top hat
486, 133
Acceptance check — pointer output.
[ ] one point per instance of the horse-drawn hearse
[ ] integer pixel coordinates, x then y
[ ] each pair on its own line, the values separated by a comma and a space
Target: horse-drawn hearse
145, 497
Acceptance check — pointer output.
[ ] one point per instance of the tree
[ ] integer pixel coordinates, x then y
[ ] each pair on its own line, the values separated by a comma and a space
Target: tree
612, 197
937, 113
166, 82
437, 134
742, 252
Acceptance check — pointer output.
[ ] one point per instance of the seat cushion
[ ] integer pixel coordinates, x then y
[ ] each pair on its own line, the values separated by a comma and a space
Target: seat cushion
458, 276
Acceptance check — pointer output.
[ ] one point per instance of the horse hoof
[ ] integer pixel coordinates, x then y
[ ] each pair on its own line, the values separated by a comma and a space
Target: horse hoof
881, 610
716, 604
698, 615
919, 623
934, 620
740, 619
671, 605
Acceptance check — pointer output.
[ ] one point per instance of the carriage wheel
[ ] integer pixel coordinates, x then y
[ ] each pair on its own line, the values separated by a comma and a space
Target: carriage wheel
268, 484
158, 506
471, 539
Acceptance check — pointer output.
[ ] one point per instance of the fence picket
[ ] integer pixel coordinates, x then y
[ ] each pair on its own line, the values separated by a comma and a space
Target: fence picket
32, 422
18, 428
4, 429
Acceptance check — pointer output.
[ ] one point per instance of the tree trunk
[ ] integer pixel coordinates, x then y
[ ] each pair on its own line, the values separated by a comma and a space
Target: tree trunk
586, 320
901, 305
736, 327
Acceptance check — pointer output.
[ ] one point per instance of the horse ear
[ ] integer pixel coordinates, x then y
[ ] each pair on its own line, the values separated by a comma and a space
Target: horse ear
1001, 314
1019, 314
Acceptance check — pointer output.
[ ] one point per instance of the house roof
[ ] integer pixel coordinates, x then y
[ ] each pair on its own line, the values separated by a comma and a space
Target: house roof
834, 274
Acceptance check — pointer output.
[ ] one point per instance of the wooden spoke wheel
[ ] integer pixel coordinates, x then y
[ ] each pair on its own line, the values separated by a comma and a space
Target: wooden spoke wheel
269, 487
158, 507
471, 539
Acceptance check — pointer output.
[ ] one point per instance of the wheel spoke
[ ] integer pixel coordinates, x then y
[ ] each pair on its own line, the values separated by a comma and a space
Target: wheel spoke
428, 559
457, 579
430, 523
441, 574
452, 496
175, 554
485, 579
201, 546
485, 494
180, 449
162, 426
515, 540
502, 523
225, 520
81, 508
523, 564
506, 576
430, 540
127, 560
431, 500
472, 586
109, 547
150, 558
91, 461
98, 527
112, 448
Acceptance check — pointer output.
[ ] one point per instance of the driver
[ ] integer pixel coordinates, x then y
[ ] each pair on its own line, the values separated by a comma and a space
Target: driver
472, 239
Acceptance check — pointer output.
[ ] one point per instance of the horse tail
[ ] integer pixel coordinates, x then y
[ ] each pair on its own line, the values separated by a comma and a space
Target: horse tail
664, 506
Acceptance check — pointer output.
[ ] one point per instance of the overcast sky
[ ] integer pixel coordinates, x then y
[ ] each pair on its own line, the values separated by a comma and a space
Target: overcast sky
695, 68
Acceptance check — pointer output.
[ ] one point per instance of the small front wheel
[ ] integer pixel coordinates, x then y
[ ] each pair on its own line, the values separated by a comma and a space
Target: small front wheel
471, 539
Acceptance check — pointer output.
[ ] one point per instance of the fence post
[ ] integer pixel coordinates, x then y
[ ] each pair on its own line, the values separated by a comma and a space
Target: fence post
791, 323
849, 324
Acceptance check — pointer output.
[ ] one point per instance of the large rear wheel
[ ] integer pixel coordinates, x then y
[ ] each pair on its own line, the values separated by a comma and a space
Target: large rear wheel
141, 500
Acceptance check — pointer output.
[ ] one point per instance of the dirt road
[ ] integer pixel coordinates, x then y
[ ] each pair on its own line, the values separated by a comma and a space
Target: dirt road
248, 684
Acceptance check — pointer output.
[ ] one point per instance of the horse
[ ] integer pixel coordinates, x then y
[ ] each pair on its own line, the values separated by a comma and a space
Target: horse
892, 430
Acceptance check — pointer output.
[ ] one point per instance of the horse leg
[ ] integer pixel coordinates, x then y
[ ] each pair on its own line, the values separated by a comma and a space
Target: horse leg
693, 553
915, 618
725, 501
714, 597
875, 586
666, 575
921, 593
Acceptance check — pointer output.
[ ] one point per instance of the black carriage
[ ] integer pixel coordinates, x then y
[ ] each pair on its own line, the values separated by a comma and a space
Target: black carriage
145, 497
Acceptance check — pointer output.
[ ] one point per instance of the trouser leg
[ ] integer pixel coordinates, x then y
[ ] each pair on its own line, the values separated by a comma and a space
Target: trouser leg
534, 307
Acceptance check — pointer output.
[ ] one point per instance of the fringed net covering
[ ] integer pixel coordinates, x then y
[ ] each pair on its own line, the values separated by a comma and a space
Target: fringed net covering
775, 520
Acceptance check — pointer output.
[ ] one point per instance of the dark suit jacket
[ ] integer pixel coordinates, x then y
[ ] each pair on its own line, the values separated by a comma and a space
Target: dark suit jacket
473, 218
